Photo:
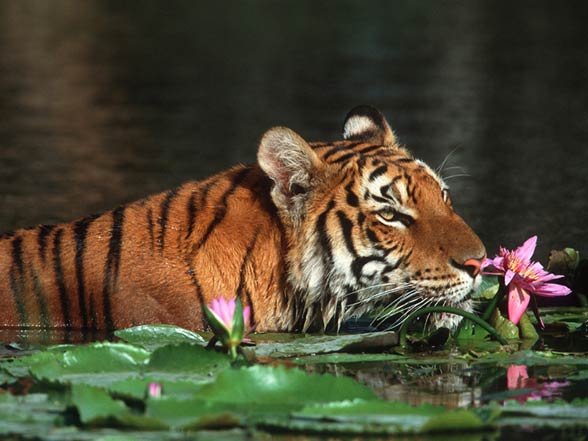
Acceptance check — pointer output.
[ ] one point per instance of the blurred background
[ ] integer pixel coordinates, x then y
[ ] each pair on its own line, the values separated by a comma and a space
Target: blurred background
104, 102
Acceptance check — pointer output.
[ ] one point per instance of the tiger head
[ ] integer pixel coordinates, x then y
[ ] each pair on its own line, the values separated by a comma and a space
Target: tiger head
367, 225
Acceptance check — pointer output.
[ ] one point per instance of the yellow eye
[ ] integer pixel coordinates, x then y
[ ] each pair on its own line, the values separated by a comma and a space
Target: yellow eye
389, 217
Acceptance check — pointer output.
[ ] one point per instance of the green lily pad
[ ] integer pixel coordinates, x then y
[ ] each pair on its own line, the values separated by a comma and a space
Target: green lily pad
384, 417
278, 385
194, 413
542, 414
488, 288
155, 336
95, 364
327, 343
136, 388
187, 358
238, 396
95, 405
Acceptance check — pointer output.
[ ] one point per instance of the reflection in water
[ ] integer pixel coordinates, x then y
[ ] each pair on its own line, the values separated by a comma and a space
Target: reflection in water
517, 379
450, 385
105, 102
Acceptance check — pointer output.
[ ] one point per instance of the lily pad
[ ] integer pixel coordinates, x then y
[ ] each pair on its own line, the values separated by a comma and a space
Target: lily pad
324, 344
280, 385
488, 288
156, 336
187, 360
95, 364
251, 395
95, 405
385, 417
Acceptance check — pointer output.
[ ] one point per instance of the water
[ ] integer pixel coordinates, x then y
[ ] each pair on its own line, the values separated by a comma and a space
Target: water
106, 102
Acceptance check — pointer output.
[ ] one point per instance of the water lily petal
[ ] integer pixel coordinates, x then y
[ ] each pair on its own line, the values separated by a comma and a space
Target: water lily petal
215, 307
551, 290
247, 317
231, 304
526, 250
518, 300
227, 313
508, 276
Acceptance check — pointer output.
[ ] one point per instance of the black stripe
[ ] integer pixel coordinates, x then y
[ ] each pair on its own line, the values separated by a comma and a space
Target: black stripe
44, 231
377, 173
150, 227
321, 227
383, 200
164, 213
221, 209
351, 196
241, 287
372, 236
60, 281
80, 230
112, 265
41, 300
341, 148
198, 288
368, 149
192, 208
360, 262
347, 228
17, 280
93, 319
344, 157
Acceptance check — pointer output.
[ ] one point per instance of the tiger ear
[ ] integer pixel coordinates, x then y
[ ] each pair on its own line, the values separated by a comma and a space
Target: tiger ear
290, 162
365, 123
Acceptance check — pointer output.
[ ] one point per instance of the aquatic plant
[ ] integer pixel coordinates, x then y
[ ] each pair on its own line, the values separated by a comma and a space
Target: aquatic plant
523, 278
229, 322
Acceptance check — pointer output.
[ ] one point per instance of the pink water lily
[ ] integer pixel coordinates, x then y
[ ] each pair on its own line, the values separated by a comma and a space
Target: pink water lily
229, 321
523, 278
154, 390
224, 310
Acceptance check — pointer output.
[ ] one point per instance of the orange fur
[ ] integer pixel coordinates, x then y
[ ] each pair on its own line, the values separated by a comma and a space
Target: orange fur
261, 233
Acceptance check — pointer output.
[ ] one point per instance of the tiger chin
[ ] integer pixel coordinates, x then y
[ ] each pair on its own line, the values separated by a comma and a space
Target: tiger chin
314, 234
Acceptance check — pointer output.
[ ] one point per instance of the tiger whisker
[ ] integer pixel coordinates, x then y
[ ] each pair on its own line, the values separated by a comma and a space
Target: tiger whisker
381, 285
458, 175
439, 169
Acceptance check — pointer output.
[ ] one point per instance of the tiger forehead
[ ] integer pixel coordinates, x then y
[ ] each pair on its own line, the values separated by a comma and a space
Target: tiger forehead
397, 180
341, 151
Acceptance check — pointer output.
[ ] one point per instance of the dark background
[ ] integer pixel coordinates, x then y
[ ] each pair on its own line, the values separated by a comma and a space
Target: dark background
104, 102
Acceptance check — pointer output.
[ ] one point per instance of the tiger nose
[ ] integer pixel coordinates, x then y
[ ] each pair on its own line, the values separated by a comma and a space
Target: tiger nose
473, 266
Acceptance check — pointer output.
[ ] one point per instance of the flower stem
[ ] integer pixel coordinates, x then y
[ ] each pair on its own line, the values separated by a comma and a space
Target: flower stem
494, 302
448, 309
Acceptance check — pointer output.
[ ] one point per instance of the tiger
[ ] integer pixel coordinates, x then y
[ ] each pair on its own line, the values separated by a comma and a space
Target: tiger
314, 234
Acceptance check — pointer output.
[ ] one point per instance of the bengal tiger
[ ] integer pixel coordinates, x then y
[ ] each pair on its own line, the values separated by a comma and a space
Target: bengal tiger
312, 235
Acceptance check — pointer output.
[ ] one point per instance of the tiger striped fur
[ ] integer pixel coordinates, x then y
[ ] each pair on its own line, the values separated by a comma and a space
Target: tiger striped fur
312, 235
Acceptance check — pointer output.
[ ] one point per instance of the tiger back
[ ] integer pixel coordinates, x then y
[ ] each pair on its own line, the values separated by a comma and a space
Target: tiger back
315, 233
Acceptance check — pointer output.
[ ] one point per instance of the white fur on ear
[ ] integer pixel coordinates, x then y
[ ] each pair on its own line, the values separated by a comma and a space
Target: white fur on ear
364, 123
289, 161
